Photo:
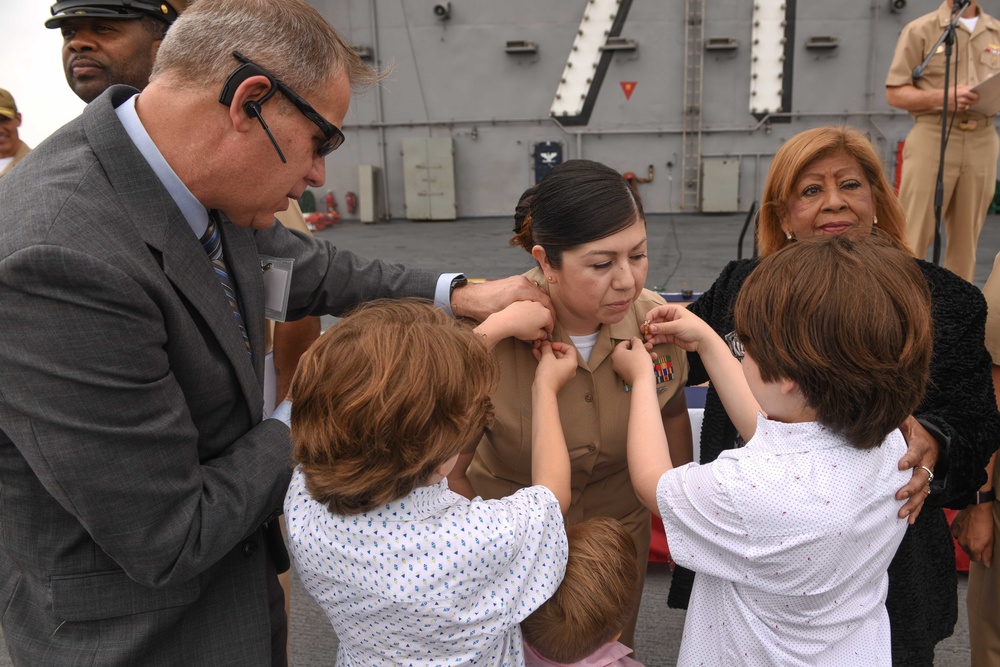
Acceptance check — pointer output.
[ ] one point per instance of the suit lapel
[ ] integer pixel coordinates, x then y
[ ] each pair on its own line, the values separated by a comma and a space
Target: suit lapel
187, 267
161, 226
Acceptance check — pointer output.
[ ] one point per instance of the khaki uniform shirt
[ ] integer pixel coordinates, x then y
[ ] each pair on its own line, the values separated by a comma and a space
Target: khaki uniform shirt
977, 55
594, 408
22, 150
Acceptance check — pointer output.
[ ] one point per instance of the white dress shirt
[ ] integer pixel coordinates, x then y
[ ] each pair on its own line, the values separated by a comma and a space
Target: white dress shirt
432, 578
790, 537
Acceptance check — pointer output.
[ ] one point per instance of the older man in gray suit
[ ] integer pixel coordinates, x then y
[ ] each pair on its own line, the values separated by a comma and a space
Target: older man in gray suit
138, 483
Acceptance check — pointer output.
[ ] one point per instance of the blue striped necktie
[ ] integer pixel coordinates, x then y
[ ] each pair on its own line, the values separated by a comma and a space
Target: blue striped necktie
211, 241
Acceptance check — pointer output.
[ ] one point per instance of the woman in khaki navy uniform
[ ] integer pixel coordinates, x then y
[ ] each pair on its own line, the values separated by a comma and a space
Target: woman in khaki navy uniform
970, 168
585, 227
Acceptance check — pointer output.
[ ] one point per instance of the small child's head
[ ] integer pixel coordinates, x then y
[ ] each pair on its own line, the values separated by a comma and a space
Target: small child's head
848, 321
384, 398
596, 597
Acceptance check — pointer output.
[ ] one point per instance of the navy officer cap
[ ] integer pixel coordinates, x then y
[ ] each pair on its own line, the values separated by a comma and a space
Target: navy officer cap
114, 9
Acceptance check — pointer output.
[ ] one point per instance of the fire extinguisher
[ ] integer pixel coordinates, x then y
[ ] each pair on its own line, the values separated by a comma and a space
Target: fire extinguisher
331, 203
633, 180
352, 202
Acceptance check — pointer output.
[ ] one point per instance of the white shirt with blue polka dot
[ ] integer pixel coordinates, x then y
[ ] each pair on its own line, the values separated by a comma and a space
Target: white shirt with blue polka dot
790, 537
431, 578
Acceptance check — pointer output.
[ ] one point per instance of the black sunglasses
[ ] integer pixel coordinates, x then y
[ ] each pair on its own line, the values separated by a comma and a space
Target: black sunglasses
333, 136
735, 346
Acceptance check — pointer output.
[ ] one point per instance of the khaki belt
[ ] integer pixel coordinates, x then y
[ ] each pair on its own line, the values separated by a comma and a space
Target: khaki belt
966, 122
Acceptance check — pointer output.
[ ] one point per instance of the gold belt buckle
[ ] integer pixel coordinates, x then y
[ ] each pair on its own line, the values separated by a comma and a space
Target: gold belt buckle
968, 124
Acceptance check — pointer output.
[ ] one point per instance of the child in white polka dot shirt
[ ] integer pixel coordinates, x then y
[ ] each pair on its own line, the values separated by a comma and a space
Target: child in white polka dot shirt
409, 572
792, 534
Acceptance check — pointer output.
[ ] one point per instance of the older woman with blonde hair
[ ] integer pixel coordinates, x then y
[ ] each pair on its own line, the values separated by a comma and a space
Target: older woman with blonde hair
829, 180
790, 164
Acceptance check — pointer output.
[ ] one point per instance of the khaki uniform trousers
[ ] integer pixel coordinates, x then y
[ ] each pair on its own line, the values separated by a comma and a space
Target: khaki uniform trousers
983, 602
970, 173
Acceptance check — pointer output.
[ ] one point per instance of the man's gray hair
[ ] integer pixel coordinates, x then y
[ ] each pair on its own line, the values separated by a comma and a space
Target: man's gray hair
289, 38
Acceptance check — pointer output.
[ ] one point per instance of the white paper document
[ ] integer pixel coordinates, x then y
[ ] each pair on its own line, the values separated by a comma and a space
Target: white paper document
989, 96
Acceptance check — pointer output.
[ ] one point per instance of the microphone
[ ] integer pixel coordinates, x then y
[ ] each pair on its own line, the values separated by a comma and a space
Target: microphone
958, 7
252, 109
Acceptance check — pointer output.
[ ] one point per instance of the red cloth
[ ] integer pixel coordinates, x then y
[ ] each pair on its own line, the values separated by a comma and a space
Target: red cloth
659, 552
961, 558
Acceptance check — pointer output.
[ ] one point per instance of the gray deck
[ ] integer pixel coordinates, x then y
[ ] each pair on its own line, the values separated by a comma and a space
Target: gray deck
658, 632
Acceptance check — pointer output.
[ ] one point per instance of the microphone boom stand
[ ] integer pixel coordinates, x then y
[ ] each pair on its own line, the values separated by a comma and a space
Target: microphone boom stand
948, 37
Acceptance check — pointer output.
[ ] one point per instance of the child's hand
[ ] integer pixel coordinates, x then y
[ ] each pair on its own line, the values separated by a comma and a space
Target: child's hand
676, 324
631, 360
556, 364
526, 320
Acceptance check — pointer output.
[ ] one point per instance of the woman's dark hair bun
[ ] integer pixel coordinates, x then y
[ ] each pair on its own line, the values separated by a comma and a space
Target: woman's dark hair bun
523, 209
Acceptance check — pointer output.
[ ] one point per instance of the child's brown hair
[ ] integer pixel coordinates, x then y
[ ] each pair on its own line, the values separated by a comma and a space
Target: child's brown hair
596, 597
385, 397
849, 321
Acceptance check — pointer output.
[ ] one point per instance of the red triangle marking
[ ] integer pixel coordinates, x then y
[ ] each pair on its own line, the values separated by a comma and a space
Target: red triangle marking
627, 88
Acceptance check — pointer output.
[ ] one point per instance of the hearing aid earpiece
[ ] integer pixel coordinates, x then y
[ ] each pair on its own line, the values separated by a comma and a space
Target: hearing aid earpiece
252, 109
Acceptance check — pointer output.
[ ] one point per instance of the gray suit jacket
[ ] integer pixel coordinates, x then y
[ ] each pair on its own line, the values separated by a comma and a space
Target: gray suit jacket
135, 470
